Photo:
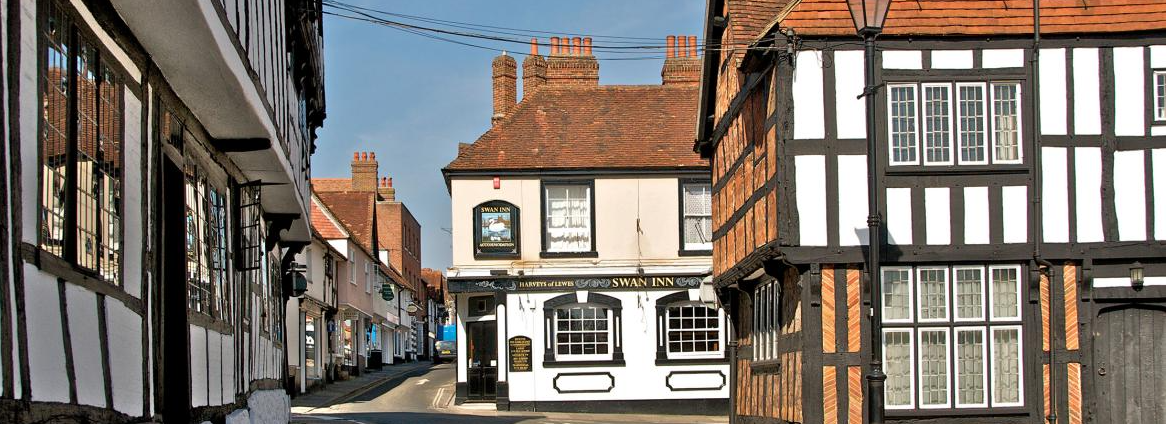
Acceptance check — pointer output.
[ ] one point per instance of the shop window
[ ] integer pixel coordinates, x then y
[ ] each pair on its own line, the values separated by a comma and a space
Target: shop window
583, 330
952, 337
81, 132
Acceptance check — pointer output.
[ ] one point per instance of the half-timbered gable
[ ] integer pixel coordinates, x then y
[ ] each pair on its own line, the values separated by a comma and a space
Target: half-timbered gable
1016, 184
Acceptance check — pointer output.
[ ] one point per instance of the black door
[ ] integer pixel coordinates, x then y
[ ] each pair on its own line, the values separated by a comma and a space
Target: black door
482, 359
1130, 356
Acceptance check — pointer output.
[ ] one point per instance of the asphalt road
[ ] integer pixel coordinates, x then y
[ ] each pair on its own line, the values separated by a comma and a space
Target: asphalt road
425, 397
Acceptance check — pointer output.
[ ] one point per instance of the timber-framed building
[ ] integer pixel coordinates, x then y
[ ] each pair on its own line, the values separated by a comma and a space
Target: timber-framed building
155, 192
1022, 275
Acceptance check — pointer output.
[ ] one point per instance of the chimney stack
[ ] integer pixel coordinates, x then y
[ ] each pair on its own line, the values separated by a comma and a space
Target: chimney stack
505, 86
386, 191
572, 63
534, 70
682, 62
364, 171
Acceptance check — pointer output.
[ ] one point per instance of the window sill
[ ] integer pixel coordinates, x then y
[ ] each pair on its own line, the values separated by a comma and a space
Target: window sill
591, 254
768, 366
956, 412
913, 170
695, 253
716, 360
573, 364
481, 255
79, 276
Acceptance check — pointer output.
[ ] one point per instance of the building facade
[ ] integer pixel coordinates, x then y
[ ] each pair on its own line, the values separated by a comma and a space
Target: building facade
580, 228
400, 244
311, 314
155, 191
1021, 263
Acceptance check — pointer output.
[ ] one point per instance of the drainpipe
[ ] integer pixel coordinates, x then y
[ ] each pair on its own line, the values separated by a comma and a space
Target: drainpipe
1038, 220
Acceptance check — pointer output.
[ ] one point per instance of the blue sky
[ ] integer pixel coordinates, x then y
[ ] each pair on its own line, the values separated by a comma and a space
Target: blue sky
412, 99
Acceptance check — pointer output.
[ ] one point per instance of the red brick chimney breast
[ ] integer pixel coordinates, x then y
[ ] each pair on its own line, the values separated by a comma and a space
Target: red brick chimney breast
534, 70
681, 63
364, 172
505, 88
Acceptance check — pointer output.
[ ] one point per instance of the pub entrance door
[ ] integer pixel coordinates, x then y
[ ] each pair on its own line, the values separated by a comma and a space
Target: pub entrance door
482, 360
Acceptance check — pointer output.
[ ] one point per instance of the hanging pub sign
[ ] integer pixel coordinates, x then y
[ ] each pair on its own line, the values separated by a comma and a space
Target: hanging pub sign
496, 230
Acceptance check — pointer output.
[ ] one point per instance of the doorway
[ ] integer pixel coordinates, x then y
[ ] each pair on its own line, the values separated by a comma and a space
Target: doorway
482, 360
1130, 360
175, 334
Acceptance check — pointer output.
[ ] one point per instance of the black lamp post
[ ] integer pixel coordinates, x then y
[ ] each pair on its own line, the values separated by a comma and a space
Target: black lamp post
869, 16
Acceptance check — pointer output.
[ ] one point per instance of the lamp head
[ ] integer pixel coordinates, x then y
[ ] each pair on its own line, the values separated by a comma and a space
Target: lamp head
868, 15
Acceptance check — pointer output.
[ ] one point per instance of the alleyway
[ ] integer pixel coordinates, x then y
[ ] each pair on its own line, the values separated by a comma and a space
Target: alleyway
425, 396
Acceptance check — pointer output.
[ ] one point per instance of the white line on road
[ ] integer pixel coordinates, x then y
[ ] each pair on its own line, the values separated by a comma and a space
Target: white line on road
422, 381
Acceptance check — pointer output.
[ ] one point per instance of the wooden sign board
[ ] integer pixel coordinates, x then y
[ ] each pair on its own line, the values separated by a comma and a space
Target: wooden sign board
520, 354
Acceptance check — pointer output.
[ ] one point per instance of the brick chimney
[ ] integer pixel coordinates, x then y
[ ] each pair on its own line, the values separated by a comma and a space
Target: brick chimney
534, 70
505, 86
364, 171
571, 62
682, 61
386, 191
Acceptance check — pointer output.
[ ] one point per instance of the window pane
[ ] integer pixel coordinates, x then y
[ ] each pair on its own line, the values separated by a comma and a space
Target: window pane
897, 366
54, 130
969, 287
1005, 295
688, 324
902, 123
1006, 365
568, 220
933, 367
937, 121
697, 209
933, 294
970, 367
896, 295
1160, 95
1006, 121
971, 123
581, 330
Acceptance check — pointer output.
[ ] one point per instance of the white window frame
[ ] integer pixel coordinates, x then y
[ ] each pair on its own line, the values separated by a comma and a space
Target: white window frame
923, 118
983, 330
910, 332
590, 189
687, 245
583, 357
946, 364
910, 294
992, 295
947, 313
1019, 365
984, 118
693, 355
1159, 83
955, 294
368, 277
890, 136
1019, 122
351, 267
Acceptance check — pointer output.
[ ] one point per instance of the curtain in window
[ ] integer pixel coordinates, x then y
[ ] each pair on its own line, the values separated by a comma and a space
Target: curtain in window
568, 219
698, 217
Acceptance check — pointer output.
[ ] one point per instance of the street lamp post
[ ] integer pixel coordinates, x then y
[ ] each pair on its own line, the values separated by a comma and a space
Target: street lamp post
869, 16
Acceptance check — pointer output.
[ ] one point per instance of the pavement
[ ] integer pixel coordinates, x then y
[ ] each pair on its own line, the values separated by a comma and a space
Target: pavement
423, 393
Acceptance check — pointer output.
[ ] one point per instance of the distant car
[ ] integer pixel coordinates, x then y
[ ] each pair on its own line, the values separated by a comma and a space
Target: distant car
444, 351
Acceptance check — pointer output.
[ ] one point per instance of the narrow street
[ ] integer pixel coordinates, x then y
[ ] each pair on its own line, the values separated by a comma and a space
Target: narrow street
425, 396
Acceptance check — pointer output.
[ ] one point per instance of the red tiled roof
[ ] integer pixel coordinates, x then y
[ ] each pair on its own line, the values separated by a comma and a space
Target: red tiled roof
355, 212
982, 17
747, 18
574, 127
331, 184
324, 225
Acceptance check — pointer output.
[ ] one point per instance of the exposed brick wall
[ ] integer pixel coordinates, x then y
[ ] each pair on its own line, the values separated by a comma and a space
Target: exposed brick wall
682, 61
534, 70
505, 88
571, 62
364, 171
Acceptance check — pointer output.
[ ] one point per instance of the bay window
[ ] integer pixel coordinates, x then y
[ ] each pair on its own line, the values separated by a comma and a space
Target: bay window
568, 218
965, 123
952, 336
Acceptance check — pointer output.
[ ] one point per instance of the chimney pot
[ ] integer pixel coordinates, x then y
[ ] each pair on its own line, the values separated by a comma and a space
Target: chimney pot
389, 182
682, 46
372, 156
587, 46
554, 46
670, 50
364, 156
533, 46
355, 156
692, 45
577, 46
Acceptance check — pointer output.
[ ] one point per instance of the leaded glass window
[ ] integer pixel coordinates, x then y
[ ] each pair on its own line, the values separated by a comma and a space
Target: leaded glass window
902, 109
966, 123
972, 126
1006, 121
1160, 95
937, 124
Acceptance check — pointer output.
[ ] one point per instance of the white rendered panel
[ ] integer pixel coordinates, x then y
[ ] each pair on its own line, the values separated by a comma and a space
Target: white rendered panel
228, 368
1014, 200
1158, 162
1087, 169
704, 380
1006, 58
937, 201
811, 198
581, 383
951, 59
85, 337
46, 353
1125, 281
1053, 92
849, 80
1129, 101
1158, 56
976, 215
852, 200
899, 215
902, 59
1086, 92
214, 350
132, 195
198, 395
1129, 194
809, 119
1055, 194
1158, 130
125, 356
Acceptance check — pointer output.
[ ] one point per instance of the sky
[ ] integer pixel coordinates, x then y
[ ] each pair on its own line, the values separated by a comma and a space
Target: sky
412, 99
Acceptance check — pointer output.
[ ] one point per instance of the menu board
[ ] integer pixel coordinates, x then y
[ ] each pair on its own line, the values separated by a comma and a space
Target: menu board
520, 354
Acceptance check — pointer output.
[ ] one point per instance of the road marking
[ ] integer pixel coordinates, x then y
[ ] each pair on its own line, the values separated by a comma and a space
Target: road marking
422, 381
436, 403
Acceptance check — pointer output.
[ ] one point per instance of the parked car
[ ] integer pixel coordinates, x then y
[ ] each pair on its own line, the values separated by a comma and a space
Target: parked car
444, 351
